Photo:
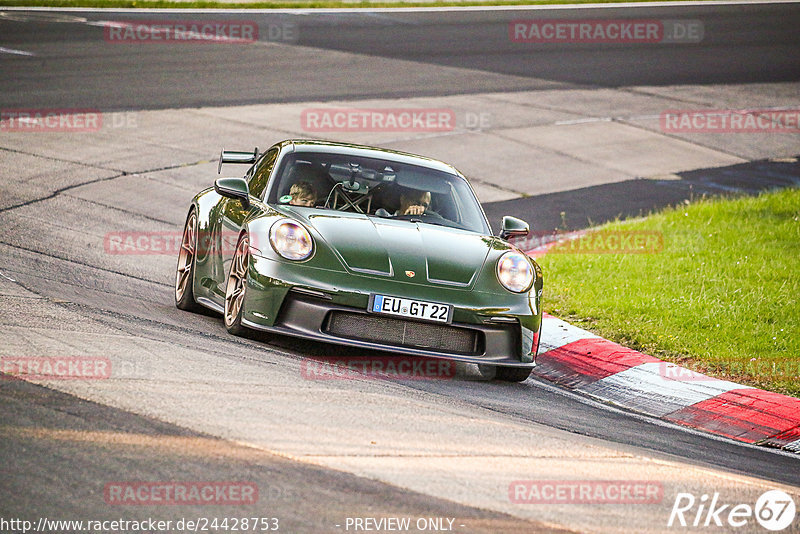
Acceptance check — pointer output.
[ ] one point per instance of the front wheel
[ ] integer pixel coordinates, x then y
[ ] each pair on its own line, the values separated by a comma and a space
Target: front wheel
184, 273
505, 374
236, 287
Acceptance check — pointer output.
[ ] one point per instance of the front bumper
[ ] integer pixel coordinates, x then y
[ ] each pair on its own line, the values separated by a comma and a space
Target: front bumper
297, 300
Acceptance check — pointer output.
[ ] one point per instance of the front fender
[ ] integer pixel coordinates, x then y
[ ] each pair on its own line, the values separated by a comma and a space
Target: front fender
209, 272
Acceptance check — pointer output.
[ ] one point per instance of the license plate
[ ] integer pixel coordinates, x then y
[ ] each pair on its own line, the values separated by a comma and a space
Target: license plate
414, 309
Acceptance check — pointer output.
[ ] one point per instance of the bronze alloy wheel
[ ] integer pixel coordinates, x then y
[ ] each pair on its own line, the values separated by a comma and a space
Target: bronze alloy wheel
184, 274
237, 284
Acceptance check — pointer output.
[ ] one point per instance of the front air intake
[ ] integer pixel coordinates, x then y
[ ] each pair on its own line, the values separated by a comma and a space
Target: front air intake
403, 333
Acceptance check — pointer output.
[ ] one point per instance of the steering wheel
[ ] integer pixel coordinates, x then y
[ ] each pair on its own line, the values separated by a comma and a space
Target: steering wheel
430, 214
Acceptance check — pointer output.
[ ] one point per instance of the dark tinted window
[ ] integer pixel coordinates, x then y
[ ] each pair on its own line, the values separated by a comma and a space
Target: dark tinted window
258, 182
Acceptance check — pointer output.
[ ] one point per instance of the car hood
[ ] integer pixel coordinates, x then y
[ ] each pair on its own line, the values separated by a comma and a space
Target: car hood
403, 250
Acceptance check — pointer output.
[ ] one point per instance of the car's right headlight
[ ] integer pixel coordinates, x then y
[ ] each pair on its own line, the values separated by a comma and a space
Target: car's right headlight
291, 240
515, 272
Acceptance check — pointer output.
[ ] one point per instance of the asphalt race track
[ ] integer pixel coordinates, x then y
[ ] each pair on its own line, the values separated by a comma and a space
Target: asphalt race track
188, 402
401, 55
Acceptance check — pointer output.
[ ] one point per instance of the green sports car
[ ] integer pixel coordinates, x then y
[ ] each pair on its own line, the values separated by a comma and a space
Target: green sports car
365, 247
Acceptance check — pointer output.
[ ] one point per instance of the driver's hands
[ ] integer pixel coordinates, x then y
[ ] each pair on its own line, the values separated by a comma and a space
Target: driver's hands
416, 209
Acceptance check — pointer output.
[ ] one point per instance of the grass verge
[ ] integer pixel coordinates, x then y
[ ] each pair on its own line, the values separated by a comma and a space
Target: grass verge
289, 4
722, 296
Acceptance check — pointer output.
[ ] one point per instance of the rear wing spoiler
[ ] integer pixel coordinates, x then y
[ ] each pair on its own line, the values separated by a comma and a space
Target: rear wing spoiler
236, 156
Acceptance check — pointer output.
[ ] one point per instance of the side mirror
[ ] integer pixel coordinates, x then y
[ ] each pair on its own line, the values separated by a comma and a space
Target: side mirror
513, 227
234, 188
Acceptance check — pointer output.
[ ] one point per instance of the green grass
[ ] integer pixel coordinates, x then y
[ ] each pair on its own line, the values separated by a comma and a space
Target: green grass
289, 4
722, 297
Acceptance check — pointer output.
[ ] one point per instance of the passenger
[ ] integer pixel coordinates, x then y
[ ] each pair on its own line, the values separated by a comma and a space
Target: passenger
303, 194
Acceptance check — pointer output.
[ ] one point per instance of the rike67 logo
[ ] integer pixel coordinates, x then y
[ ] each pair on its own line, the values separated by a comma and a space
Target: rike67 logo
774, 510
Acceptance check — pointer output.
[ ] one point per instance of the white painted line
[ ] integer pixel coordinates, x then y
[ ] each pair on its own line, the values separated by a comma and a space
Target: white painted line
650, 388
582, 121
107, 23
640, 117
14, 51
557, 333
304, 11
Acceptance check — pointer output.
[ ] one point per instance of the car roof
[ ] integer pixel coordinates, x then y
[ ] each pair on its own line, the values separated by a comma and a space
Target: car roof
330, 147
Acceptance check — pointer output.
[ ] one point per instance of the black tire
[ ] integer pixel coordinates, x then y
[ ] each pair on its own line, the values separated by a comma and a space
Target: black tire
236, 287
505, 374
184, 271
512, 374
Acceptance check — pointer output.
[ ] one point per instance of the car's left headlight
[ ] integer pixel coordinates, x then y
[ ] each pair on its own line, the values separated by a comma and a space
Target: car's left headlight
291, 240
515, 272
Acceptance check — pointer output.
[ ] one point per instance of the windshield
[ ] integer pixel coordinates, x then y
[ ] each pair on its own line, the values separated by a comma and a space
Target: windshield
377, 188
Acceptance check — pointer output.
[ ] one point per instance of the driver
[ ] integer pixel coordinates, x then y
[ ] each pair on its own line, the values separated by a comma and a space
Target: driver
414, 202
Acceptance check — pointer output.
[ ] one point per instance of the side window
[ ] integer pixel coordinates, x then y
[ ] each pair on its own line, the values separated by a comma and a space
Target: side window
258, 183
